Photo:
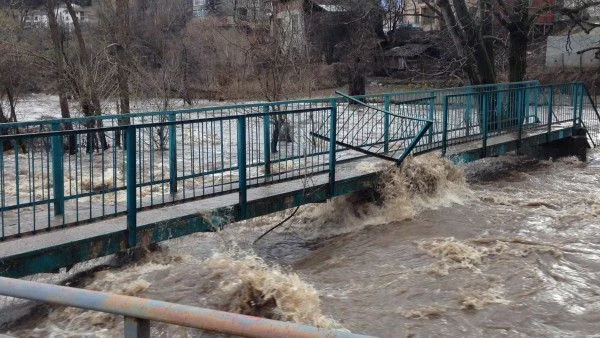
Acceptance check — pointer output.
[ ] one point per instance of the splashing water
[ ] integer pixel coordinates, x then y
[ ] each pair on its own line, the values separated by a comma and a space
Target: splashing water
502, 246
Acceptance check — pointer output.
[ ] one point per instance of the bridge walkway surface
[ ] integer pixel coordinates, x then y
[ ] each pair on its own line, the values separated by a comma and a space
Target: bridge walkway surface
78, 189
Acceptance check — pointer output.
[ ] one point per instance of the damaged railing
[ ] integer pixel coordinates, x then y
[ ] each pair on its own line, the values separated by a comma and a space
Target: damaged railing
66, 172
378, 133
138, 312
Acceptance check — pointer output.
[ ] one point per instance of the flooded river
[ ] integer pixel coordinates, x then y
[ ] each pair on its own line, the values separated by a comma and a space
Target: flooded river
501, 247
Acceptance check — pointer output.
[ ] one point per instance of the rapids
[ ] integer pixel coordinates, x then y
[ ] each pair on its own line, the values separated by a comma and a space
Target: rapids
504, 246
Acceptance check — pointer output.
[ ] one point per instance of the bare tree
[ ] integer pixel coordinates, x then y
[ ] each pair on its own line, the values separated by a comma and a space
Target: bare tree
59, 64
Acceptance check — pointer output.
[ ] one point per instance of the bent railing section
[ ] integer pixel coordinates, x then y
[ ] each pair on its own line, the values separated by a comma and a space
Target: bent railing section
378, 133
138, 312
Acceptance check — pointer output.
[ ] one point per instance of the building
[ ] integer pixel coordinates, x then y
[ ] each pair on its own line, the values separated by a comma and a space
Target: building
418, 14
574, 53
322, 25
39, 17
245, 10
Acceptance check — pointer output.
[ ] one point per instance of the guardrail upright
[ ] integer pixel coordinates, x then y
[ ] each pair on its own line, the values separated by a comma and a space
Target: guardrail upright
386, 124
241, 157
172, 154
581, 98
267, 139
431, 118
332, 146
2, 191
131, 186
524, 114
58, 177
550, 112
536, 99
484, 121
445, 126
575, 100
468, 111
136, 327
498, 111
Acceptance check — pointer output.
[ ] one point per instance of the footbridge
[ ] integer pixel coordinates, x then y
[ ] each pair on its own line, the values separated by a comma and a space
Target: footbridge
82, 188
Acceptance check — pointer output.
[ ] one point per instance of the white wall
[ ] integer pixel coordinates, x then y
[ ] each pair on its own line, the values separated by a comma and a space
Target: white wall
559, 54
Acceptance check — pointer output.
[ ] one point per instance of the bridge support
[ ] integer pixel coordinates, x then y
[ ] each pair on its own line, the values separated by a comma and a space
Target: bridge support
575, 145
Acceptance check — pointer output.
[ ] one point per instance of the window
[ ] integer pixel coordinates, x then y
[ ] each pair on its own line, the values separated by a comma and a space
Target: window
427, 16
295, 23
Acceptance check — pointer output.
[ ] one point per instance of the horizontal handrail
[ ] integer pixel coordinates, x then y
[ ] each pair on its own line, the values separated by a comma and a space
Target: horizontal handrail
227, 107
156, 124
155, 310
437, 90
387, 112
554, 85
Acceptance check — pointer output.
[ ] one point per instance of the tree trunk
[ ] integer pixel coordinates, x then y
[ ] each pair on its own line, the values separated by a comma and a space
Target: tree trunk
517, 54
458, 40
55, 35
11, 103
468, 38
13, 117
89, 100
122, 40
357, 83
4, 144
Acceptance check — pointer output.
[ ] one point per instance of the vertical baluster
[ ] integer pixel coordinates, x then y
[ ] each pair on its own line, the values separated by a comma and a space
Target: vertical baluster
266, 138
17, 182
581, 98
131, 187
575, 99
332, 147
550, 112
499, 108
58, 178
386, 124
2, 193
484, 122
469, 97
445, 126
172, 155
241, 157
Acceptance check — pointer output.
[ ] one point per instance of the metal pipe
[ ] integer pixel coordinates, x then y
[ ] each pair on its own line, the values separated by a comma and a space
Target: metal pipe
183, 315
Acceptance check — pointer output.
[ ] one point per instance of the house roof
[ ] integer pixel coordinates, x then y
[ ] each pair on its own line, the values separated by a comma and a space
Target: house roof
408, 50
331, 8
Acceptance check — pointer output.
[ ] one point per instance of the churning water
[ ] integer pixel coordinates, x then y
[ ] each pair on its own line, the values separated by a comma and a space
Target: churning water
501, 247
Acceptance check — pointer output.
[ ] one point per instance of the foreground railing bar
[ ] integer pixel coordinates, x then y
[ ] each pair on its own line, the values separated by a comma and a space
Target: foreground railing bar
171, 313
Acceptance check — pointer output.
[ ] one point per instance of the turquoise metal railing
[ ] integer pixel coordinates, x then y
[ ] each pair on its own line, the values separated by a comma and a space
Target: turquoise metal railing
590, 117
480, 116
385, 100
377, 132
174, 160
175, 156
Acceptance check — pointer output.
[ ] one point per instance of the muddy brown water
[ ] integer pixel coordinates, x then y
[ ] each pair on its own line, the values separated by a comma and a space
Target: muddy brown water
502, 247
